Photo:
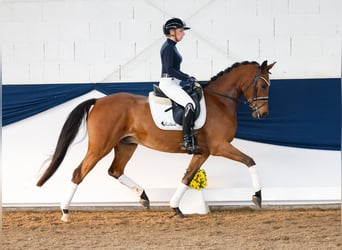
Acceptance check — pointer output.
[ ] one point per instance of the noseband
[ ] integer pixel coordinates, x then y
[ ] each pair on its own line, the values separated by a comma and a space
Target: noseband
251, 102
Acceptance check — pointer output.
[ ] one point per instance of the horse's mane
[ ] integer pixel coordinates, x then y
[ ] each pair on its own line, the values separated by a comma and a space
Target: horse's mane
227, 70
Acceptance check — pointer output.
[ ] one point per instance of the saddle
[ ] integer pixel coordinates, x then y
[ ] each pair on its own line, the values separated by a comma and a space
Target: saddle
178, 111
168, 115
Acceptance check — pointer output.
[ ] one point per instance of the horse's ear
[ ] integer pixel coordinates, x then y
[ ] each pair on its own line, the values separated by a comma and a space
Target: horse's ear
270, 66
263, 65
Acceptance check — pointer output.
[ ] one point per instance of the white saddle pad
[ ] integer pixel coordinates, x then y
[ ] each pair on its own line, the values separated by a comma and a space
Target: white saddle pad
164, 120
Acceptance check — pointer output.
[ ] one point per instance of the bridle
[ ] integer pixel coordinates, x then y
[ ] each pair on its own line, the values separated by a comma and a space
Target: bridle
251, 102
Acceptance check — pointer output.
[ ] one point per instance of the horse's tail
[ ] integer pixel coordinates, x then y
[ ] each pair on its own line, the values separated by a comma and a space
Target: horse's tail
66, 137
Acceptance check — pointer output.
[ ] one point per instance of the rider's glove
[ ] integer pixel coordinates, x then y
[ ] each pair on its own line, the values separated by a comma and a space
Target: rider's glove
192, 80
190, 83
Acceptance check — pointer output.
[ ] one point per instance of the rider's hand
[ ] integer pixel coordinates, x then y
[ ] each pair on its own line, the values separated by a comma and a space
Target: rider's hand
192, 80
189, 84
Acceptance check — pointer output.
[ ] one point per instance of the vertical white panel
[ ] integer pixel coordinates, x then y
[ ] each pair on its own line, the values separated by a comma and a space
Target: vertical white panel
27, 12
310, 25
67, 51
139, 31
59, 51
100, 70
36, 72
73, 31
89, 51
136, 70
280, 7
6, 12
199, 68
244, 48
42, 32
304, 7
54, 11
52, 51
331, 45
15, 72
212, 9
330, 8
267, 48
75, 72
14, 31
155, 70
188, 47
144, 10
306, 46
264, 7
283, 46
241, 9
251, 26
51, 72
119, 52
7, 52
182, 9
104, 31
28, 52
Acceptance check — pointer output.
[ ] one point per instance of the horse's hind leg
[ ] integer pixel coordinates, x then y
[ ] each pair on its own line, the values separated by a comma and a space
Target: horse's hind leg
79, 174
123, 153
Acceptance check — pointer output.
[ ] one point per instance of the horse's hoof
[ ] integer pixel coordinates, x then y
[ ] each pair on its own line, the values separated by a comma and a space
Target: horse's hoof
257, 201
65, 218
178, 212
145, 203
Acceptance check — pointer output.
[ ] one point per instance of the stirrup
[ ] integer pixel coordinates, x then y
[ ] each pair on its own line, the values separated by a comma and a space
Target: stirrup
190, 145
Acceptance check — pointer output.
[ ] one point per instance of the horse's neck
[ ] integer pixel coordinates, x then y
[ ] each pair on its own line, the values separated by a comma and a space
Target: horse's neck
227, 86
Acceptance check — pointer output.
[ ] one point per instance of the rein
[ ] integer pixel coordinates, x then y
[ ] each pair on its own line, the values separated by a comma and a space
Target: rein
225, 96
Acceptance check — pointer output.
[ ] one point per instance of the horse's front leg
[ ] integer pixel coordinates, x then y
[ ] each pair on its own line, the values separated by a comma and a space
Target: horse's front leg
195, 164
229, 151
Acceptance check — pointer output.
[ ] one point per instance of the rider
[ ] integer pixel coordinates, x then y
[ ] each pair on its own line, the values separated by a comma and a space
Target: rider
173, 78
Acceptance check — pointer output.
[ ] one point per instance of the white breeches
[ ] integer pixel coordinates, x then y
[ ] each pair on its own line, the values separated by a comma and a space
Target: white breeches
171, 88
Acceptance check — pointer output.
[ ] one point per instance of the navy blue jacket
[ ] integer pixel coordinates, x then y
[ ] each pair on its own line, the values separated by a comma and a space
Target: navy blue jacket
171, 60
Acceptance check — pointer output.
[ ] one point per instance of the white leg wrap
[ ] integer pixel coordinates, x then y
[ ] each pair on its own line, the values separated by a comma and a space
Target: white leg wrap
125, 180
255, 178
67, 199
177, 196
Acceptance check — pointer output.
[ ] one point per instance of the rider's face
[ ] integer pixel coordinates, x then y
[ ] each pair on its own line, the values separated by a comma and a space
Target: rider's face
178, 34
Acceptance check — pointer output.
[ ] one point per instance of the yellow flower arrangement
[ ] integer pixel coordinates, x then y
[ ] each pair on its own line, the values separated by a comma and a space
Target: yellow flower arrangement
200, 180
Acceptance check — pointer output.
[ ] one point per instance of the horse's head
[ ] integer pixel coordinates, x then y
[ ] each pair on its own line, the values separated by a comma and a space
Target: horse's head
256, 90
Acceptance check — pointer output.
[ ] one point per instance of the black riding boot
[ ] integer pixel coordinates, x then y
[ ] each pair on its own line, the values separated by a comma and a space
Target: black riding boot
189, 140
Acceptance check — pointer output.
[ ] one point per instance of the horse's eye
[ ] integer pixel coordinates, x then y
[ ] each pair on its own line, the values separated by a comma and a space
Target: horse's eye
264, 86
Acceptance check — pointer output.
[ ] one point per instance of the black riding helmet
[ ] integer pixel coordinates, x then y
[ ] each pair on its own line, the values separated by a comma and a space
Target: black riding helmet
174, 23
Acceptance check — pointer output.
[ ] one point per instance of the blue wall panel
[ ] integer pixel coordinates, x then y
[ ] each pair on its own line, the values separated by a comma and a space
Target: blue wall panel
303, 112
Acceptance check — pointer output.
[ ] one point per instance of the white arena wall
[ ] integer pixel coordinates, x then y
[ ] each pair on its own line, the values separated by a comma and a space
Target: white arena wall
57, 41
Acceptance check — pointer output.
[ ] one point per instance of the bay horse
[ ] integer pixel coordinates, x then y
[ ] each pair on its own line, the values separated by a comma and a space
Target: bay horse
123, 120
